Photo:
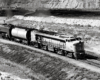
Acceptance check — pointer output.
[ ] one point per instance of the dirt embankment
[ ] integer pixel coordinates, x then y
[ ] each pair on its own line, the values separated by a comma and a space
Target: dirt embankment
44, 67
12, 71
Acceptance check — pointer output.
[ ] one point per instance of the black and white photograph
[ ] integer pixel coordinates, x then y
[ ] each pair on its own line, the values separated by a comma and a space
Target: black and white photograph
49, 39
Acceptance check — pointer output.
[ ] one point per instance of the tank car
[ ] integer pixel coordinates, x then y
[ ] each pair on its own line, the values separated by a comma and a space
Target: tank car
21, 34
13, 33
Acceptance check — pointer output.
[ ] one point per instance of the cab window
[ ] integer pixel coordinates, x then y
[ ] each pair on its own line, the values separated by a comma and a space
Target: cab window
78, 38
73, 39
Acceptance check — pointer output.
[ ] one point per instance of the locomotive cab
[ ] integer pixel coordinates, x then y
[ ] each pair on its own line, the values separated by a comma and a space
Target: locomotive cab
75, 46
79, 49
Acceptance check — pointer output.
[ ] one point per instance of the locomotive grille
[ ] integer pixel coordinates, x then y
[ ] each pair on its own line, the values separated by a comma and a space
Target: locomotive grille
80, 46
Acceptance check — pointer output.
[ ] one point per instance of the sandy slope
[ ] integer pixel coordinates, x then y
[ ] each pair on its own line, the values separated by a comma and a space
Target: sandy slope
45, 67
10, 70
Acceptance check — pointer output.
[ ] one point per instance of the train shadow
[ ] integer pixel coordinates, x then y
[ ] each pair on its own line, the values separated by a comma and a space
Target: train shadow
74, 13
84, 57
87, 56
91, 55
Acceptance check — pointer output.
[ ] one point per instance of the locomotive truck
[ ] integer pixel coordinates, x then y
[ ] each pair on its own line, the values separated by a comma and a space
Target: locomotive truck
62, 45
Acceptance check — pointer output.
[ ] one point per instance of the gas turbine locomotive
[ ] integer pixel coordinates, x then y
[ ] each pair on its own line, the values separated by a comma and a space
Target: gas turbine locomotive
62, 45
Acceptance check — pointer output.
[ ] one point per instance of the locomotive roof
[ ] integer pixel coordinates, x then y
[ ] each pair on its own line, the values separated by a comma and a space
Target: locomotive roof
63, 39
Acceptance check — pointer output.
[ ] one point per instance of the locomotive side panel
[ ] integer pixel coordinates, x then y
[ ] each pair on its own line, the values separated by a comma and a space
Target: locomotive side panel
70, 45
53, 43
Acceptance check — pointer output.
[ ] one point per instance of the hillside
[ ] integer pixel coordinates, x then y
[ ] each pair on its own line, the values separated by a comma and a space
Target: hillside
44, 67
52, 4
31, 5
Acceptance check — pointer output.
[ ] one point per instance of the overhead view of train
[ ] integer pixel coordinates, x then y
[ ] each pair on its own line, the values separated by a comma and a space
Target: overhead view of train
62, 45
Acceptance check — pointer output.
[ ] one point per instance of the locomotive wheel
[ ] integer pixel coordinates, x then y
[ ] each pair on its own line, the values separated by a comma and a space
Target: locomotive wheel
2, 35
55, 50
12, 39
20, 41
35, 45
82, 55
75, 56
6, 36
65, 53
9, 38
59, 52
46, 48
39, 45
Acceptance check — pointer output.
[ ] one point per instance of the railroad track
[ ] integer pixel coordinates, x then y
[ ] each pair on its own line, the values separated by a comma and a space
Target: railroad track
93, 62
89, 64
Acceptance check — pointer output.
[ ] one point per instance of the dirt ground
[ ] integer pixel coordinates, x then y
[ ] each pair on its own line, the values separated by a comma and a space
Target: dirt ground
26, 63
10, 70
